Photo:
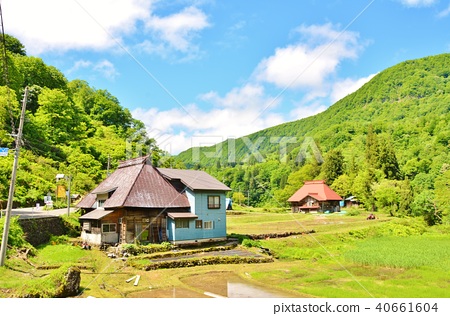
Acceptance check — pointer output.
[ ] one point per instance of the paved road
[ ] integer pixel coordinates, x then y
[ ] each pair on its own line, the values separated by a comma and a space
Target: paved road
33, 212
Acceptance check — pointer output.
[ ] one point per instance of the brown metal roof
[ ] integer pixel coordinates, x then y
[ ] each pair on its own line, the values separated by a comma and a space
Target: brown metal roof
181, 215
137, 184
151, 190
194, 179
88, 201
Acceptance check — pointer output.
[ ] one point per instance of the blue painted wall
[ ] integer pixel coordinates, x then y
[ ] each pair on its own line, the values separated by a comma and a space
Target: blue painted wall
199, 207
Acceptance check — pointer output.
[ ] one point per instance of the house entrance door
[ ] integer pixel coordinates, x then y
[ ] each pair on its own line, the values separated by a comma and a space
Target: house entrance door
142, 231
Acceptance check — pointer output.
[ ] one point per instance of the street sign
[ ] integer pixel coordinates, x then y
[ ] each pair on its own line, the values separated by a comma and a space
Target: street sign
60, 191
3, 152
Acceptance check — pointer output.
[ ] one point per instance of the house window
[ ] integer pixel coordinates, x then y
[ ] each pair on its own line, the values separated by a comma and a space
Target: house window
100, 203
199, 224
182, 223
108, 228
213, 201
87, 226
209, 225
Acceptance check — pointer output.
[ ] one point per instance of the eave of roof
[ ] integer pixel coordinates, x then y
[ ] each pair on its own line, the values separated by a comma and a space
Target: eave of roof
316, 189
96, 214
174, 215
194, 179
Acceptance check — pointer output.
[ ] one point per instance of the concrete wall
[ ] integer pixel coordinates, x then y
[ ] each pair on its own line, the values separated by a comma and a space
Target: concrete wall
38, 230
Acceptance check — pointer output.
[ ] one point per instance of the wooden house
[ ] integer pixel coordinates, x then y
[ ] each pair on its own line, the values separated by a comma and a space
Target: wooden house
139, 202
315, 196
351, 201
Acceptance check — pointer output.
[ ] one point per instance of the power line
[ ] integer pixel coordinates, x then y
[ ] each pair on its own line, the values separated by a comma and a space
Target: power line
18, 137
6, 72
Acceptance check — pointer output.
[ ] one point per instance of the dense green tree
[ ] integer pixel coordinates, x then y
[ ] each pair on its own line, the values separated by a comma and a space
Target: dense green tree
387, 160
58, 117
333, 166
442, 191
371, 147
8, 112
424, 205
106, 108
13, 45
343, 185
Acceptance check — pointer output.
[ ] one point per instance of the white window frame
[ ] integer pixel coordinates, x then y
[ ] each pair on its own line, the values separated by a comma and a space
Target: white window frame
100, 203
208, 224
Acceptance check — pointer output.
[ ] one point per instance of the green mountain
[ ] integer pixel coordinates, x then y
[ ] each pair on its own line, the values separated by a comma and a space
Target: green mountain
408, 101
396, 128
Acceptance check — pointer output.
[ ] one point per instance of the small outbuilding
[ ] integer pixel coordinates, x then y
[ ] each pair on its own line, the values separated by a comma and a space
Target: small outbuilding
352, 201
315, 196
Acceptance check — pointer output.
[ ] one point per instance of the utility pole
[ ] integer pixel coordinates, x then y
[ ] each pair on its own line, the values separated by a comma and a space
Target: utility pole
18, 137
68, 196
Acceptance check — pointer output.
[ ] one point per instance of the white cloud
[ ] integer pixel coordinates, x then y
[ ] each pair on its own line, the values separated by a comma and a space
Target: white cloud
444, 13
178, 29
418, 3
56, 25
61, 25
310, 109
234, 115
308, 64
347, 86
104, 67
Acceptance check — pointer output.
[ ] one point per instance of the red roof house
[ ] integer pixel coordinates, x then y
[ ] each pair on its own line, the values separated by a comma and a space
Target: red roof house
315, 196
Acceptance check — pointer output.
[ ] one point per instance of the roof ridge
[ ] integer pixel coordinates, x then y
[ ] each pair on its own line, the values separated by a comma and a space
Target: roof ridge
134, 183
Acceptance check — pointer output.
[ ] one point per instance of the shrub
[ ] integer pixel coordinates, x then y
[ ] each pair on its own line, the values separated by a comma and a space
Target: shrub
251, 243
58, 240
353, 212
16, 236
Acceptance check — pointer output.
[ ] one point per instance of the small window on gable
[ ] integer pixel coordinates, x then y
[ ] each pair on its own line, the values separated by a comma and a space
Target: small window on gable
213, 201
100, 203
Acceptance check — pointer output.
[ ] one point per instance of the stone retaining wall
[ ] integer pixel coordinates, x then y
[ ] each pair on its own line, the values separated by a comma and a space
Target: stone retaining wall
38, 230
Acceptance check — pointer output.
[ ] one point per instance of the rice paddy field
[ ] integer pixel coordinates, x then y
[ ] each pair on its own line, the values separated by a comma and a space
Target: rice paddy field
350, 256
346, 256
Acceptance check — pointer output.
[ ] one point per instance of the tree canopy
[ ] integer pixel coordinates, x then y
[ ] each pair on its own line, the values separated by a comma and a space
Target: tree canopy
70, 128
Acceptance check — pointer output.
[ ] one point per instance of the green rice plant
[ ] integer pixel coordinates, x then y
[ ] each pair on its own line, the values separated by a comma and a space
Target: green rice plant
403, 252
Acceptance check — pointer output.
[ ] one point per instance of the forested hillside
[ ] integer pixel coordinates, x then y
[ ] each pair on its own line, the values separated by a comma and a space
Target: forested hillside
388, 144
70, 128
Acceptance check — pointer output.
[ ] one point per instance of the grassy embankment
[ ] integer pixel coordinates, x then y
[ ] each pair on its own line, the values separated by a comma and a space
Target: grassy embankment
348, 256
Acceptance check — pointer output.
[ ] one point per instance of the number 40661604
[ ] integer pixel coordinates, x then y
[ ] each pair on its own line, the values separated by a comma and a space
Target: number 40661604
407, 307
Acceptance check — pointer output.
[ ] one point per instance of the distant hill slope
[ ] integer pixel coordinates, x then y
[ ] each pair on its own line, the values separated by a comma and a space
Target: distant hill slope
409, 101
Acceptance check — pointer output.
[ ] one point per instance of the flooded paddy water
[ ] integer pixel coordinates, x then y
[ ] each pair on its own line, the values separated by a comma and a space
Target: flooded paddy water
213, 284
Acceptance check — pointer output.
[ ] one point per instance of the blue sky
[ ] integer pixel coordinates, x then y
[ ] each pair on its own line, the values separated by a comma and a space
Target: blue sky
197, 72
